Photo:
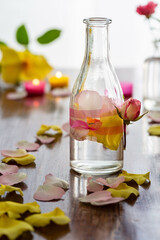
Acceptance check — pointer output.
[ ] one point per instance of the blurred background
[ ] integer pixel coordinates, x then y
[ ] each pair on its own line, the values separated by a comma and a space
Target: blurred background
130, 38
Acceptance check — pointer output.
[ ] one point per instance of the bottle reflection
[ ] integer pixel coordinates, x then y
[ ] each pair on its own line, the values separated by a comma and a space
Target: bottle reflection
79, 184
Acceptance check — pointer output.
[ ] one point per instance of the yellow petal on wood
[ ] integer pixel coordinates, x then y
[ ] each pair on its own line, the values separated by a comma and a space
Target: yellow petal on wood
44, 128
6, 188
20, 160
123, 190
40, 220
138, 178
13, 228
154, 130
14, 209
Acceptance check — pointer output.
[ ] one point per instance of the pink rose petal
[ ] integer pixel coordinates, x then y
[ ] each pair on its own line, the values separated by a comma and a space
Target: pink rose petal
6, 168
45, 139
13, 178
66, 127
52, 180
14, 153
89, 100
28, 146
96, 197
79, 124
61, 92
17, 95
48, 192
79, 134
109, 201
111, 182
93, 186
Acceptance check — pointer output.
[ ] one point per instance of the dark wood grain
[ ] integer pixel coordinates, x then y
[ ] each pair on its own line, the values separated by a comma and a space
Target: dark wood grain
134, 219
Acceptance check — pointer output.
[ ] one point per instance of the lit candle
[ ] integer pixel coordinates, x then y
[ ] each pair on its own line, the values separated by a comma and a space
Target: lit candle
35, 87
59, 80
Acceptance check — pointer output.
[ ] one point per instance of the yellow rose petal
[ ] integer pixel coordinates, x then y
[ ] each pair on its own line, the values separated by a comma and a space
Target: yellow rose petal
13, 228
6, 188
14, 209
20, 160
123, 190
138, 178
44, 128
154, 130
40, 220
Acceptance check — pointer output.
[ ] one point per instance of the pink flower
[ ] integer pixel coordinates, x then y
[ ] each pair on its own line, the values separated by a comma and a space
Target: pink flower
147, 9
130, 109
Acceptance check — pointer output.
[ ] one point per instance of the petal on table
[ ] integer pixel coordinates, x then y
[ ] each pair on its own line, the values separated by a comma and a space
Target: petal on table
17, 95
110, 201
48, 192
14, 209
111, 182
44, 128
93, 186
61, 92
50, 179
66, 127
96, 197
40, 220
154, 130
13, 228
14, 153
138, 178
28, 146
6, 168
154, 116
123, 190
20, 160
6, 188
13, 178
45, 139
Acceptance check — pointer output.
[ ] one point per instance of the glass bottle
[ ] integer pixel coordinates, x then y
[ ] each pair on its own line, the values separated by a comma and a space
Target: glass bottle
96, 130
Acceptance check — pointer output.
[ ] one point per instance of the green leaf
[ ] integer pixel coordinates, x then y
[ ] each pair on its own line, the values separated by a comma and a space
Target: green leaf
22, 35
3, 43
49, 36
138, 118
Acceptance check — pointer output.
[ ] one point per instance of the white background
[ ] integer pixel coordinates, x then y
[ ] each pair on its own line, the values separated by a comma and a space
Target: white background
130, 38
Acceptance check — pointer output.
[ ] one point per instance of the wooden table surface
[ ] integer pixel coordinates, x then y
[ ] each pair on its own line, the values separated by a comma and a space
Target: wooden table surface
134, 219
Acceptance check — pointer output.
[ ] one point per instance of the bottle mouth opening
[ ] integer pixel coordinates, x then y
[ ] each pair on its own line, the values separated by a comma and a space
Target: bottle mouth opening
97, 21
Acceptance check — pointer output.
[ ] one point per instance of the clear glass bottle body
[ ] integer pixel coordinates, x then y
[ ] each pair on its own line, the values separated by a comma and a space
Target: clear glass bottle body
96, 145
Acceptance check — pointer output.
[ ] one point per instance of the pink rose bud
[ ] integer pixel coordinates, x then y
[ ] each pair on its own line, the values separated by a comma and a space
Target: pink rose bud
130, 109
147, 10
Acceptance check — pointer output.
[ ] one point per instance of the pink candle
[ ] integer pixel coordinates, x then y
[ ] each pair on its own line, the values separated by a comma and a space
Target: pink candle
127, 88
35, 87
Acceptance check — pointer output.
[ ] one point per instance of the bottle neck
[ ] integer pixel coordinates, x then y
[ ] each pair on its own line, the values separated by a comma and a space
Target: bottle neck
97, 43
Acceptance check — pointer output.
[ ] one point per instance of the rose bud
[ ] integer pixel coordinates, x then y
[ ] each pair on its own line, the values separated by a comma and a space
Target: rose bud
147, 10
130, 109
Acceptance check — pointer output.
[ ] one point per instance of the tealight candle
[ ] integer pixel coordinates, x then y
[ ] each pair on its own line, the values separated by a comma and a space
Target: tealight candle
127, 88
59, 80
35, 87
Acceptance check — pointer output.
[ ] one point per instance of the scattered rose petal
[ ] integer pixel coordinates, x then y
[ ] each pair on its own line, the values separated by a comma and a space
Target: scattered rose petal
14, 209
44, 128
28, 146
50, 179
154, 130
17, 95
61, 92
6, 188
154, 116
13, 178
109, 201
66, 127
13, 228
111, 182
14, 153
100, 196
123, 190
93, 186
6, 168
138, 178
40, 220
48, 192
20, 160
45, 139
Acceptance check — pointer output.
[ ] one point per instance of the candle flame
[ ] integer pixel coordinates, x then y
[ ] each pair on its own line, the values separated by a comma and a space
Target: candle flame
35, 82
58, 74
